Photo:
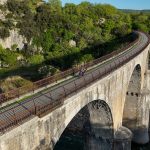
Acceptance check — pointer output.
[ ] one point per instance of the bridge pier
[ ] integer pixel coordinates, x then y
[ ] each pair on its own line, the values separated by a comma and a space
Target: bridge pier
136, 112
121, 141
139, 124
140, 133
97, 143
96, 139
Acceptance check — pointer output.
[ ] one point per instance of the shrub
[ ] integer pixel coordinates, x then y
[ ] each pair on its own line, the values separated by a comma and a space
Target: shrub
36, 59
4, 33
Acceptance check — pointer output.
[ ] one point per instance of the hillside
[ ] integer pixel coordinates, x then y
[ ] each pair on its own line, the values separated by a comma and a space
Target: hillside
38, 39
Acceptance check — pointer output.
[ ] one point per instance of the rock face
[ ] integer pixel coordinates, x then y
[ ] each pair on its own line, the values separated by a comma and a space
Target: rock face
72, 43
14, 38
2, 16
3, 1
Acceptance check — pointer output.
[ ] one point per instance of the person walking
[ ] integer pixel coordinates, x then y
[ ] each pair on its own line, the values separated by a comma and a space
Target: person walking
82, 71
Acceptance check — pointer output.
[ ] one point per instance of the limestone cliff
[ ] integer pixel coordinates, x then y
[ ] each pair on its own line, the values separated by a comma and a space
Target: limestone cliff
14, 38
2, 14
3, 1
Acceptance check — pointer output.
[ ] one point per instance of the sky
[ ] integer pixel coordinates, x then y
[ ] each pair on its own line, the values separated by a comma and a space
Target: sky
122, 4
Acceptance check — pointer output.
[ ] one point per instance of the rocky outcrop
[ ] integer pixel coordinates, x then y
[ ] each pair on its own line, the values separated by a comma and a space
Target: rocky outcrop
72, 43
3, 1
2, 16
13, 39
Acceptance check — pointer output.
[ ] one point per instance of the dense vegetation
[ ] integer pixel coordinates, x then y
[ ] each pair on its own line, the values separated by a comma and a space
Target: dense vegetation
60, 37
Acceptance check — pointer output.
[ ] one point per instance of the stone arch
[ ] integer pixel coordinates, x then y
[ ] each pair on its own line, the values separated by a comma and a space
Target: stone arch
94, 119
148, 61
131, 101
146, 70
100, 115
131, 112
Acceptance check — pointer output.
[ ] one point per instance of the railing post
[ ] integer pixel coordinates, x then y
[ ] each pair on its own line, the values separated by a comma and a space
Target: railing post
105, 71
50, 94
99, 73
84, 80
92, 76
33, 87
55, 78
37, 111
1, 98
115, 65
65, 91
110, 68
18, 93
119, 63
126, 58
14, 116
73, 72
34, 106
75, 86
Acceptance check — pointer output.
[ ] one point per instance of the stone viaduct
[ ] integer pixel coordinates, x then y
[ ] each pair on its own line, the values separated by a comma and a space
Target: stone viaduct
118, 105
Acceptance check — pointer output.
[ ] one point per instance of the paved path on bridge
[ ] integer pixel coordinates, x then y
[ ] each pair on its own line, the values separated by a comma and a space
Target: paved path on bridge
29, 107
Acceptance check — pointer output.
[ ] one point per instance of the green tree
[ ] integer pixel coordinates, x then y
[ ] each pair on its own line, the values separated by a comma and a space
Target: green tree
43, 17
83, 59
8, 57
35, 59
55, 5
47, 41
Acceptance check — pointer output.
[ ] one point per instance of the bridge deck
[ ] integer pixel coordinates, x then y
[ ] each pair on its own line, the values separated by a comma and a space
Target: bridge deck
54, 97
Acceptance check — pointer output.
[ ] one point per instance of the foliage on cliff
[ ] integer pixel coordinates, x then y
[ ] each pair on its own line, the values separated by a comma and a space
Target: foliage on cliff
68, 35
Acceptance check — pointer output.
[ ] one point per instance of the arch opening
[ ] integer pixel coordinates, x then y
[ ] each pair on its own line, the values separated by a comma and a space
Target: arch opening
148, 61
92, 121
130, 112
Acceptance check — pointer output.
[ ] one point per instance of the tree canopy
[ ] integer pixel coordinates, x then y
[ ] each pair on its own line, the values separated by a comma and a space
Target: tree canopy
63, 36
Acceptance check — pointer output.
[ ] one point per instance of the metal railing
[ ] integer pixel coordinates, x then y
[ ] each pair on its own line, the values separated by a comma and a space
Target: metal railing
17, 93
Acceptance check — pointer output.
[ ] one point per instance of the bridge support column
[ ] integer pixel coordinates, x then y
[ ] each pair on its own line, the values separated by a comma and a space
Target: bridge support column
99, 131
140, 133
147, 79
96, 141
121, 141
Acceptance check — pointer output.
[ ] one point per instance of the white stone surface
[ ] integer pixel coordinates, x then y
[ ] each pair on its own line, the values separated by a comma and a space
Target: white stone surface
14, 38
72, 43
3, 1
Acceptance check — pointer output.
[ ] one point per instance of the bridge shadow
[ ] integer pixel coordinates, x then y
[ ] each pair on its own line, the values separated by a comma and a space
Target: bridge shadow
79, 134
